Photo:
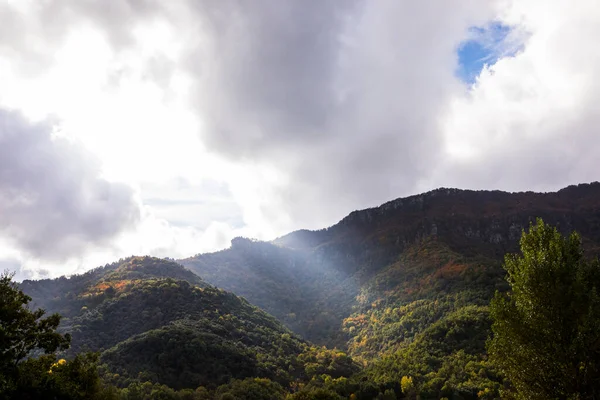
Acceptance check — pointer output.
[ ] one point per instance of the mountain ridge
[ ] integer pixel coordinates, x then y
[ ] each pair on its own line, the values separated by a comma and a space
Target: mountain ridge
403, 288
348, 254
153, 320
421, 202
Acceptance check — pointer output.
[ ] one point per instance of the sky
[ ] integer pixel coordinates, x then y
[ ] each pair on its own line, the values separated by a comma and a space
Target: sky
168, 128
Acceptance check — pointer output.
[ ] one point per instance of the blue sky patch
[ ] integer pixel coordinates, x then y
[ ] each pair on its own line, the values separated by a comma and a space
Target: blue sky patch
485, 46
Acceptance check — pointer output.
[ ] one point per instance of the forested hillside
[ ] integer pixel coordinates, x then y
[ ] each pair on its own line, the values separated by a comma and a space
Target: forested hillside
68, 296
308, 295
403, 287
399, 295
153, 320
312, 280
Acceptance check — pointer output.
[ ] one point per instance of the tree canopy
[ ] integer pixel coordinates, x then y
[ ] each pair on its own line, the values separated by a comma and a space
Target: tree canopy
23, 334
23, 331
545, 330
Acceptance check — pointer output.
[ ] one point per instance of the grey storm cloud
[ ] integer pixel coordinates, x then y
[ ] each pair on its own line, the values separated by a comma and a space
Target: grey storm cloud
31, 36
53, 202
266, 73
346, 99
341, 96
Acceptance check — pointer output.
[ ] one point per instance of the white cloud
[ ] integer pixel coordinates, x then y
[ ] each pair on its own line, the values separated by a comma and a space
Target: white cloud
226, 118
53, 201
529, 122
340, 99
120, 97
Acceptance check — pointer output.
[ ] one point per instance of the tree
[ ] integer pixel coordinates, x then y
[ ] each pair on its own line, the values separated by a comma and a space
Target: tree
408, 387
250, 389
23, 330
314, 394
47, 378
546, 330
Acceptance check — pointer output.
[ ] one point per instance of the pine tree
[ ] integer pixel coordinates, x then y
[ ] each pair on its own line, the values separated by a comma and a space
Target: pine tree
546, 330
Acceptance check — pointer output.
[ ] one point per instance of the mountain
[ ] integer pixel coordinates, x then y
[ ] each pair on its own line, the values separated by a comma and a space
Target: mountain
153, 320
404, 287
67, 296
485, 223
294, 286
310, 279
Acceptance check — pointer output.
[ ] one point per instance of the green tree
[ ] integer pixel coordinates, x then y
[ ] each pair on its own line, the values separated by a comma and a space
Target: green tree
314, 394
251, 389
47, 378
546, 330
23, 331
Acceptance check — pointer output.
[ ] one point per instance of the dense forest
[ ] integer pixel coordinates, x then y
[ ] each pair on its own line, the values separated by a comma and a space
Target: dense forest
424, 297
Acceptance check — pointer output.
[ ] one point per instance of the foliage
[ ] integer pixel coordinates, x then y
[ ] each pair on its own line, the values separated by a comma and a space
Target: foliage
45, 378
155, 391
403, 289
322, 361
67, 296
407, 385
546, 330
443, 360
151, 304
193, 353
250, 389
287, 283
23, 332
426, 316
178, 324
315, 394
225, 353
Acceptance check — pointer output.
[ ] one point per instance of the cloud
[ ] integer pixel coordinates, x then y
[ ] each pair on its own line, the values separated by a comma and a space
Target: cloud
13, 266
192, 204
530, 121
307, 110
320, 109
54, 203
341, 98
27, 24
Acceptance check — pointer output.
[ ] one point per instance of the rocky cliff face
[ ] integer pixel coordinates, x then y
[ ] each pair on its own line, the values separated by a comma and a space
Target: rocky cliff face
473, 222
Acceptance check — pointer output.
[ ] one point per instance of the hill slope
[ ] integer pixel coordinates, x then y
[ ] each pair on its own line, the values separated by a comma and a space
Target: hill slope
404, 286
292, 285
67, 296
153, 320
310, 279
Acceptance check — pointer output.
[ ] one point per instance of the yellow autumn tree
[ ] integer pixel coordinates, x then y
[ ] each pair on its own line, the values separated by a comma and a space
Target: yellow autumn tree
408, 386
